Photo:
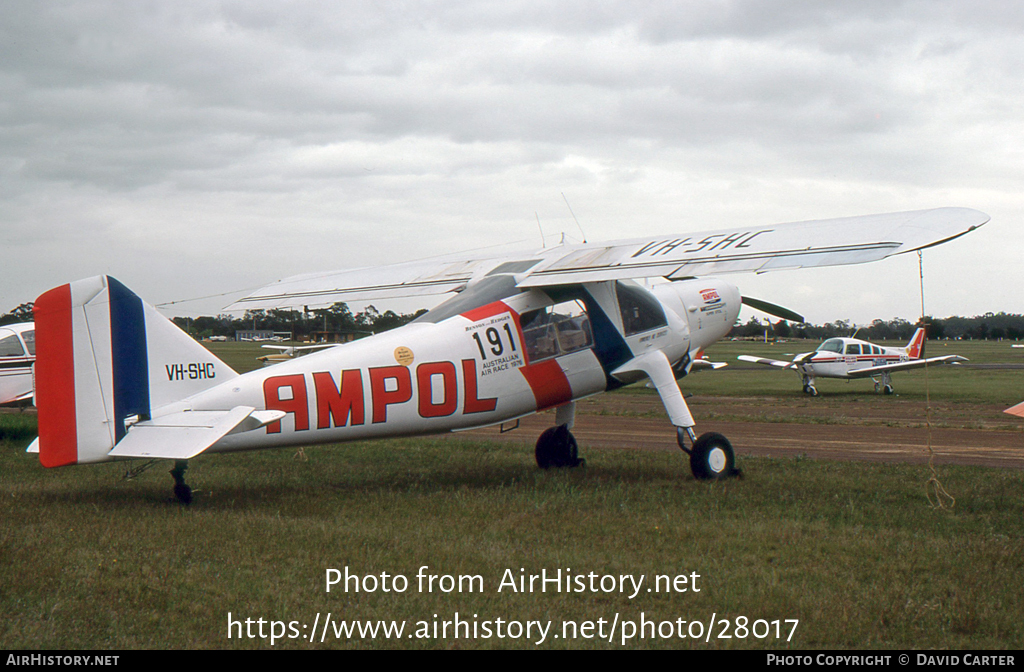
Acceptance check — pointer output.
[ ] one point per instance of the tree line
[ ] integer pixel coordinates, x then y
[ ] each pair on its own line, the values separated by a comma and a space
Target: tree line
990, 327
340, 319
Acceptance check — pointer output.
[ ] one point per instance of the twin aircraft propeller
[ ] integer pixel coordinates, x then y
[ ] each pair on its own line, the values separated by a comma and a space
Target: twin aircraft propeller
519, 334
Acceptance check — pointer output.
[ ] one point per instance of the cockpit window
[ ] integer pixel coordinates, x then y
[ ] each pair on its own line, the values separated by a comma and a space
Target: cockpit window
10, 346
831, 345
640, 310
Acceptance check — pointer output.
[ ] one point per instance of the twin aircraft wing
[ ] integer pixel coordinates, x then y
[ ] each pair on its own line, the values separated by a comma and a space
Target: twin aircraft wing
827, 242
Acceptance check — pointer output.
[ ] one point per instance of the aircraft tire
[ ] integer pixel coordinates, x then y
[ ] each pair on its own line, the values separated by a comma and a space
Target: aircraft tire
812, 390
557, 448
887, 389
712, 458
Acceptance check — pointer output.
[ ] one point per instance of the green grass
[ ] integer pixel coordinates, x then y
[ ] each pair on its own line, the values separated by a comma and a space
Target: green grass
939, 383
852, 550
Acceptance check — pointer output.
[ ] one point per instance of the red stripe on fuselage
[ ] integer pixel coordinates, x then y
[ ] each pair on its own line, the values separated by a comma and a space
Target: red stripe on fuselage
490, 310
548, 382
55, 379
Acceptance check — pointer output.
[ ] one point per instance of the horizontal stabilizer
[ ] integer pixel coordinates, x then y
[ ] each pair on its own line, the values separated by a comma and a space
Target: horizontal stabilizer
180, 436
33, 447
1016, 410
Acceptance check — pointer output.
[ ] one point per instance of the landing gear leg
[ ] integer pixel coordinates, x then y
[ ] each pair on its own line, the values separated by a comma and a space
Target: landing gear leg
181, 491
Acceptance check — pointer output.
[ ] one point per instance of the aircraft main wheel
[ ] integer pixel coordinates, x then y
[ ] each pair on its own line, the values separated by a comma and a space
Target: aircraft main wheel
712, 458
557, 447
812, 390
887, 389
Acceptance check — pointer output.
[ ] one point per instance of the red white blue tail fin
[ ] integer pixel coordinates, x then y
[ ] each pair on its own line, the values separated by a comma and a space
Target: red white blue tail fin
104, 360
915, 348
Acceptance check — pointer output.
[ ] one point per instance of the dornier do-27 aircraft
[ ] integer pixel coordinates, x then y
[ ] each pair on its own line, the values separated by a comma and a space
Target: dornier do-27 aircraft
523, 333
17, 353
851, 359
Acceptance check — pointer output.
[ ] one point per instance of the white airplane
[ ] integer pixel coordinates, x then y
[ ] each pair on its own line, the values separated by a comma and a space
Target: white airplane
17, 354
851, 358
115, 380
287, 352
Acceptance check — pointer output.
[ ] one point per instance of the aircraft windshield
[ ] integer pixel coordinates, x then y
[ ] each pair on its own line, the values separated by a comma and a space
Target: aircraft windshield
831, 345
10, 346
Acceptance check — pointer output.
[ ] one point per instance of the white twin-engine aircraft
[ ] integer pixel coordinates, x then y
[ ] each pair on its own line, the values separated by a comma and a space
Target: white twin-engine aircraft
115, 380
850, 358
17, 353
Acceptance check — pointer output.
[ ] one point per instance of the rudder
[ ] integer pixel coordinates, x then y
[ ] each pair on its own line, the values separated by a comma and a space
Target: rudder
105, 359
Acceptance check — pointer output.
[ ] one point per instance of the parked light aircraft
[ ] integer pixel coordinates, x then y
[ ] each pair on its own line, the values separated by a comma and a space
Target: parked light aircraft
851, 359
521, 334
17, 354
286, 352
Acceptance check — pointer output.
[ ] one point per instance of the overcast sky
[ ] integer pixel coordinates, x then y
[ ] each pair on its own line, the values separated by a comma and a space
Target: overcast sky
197, 148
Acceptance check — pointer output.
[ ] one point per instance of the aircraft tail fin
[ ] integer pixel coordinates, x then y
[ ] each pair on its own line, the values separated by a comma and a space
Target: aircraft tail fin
915, 348
106, 359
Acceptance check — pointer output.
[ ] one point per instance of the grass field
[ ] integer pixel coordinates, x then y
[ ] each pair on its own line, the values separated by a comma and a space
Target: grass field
853, 551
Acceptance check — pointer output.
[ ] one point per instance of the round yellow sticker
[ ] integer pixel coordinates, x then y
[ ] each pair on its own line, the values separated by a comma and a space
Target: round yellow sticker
403, 356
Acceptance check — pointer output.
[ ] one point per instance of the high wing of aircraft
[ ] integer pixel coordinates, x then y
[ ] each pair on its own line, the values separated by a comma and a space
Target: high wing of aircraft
17, 355
851, 358
521, 334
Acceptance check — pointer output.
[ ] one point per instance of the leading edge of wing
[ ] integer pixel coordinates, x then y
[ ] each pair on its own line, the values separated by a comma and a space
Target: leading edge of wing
902, 366
826, 242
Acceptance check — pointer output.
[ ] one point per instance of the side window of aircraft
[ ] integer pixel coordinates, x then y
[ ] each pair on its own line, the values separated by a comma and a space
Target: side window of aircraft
556, 330
30, 341
875, 350
10, 346
853, 349
640, 310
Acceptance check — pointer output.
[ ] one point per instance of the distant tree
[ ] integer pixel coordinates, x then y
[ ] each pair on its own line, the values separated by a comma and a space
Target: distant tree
22, 313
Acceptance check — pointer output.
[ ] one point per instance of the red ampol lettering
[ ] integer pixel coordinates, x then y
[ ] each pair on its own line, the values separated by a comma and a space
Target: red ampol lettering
425, 389
382, 398
473, 403
297, 405
336, 406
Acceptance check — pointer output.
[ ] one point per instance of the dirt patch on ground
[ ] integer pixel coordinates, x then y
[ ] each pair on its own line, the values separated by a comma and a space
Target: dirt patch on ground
880, 429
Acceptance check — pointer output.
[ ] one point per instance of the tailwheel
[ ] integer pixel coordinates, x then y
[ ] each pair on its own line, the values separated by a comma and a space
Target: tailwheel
557, 447
712, 458
181, 491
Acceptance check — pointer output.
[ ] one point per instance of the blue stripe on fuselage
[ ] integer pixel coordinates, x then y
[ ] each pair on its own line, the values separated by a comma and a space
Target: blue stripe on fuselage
129, 355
